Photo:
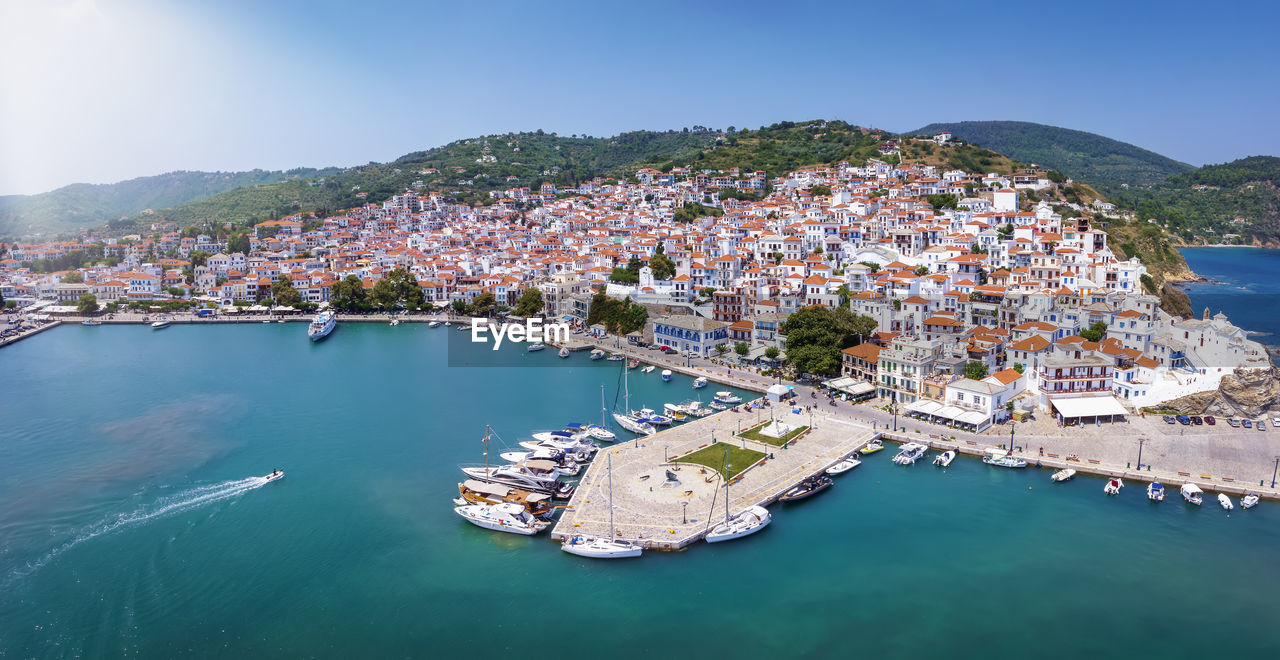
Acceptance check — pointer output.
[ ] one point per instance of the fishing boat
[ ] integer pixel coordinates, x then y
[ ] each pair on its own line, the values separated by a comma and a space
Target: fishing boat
910, 453
1248, 501
1192, 494
433, 324
1113, 487
160, 325
322, 325
1001, 458
750, 521
1155, 491
871, 447
597, 547
845, 464
647, 370
728, 398
91, 322
564, 352
503, 517
472, 491
633, 363
1225, 502
807, 488
675, 411
944, 459
666, 375
1063, 475
597, 354
699, 382
275, 475
536, 346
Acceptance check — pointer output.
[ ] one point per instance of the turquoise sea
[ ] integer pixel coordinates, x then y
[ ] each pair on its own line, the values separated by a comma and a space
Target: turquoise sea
1245, 287
131, 526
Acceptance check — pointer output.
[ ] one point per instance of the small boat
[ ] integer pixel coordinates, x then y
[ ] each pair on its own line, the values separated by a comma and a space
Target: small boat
274, 476
600, 433
944, 459
647, 370
752, 520
564, 352
505, 517
806, 488
597, 354
1225, 502
675, 411
1192, 494
843, 466
1113, 487
91, 322
462, 328
728, 398
871, 447
433, 324
601, 548
716, 405
910, 453
651, 416
322, 325
1063, 475
634, 425
666, 375
614, 357
1004, 461
159, 325
1155, 491
633, 363
536, 346
696, 409
1248, 501
699, 382
394, 322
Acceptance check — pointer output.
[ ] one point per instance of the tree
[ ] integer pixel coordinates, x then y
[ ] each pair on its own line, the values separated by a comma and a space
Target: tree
284, 293
817, 334
383, 295
460, 307
1018, 367
741, 348
74, 277
238, 242
2, 303
772, 353
923, 270
721, 349
820, 190
530, 302
1005, 232
1095, 332
348, 295
176, 291
484, 304
87, 304
199, 258
975, 370
663, 267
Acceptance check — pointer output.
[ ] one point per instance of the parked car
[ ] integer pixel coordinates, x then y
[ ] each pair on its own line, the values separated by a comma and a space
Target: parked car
664, 349
1208, 419
1235, 423
1168, 419
1261, 425
1195, 419
1276, 422
1247, 423
1183, 419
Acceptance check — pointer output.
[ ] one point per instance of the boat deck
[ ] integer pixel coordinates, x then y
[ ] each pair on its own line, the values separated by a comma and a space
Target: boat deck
652, 511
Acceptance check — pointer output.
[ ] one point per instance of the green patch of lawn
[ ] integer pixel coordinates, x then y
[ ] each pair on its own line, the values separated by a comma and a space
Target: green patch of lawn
712, 456
755, 434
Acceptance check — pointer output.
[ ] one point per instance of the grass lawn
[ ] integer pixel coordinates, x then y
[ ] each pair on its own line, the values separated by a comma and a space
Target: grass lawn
755, 434
712, 456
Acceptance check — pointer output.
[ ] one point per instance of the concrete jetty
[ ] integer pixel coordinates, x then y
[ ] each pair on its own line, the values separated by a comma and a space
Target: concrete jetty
668, 515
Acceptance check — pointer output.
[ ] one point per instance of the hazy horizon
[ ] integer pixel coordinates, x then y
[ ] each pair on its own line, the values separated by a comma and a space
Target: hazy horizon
111, 90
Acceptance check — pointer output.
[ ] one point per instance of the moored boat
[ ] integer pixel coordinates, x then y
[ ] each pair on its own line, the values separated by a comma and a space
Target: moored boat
536, 346
844, 465
473, 491
807, 488
699, 382
1063, 475
651, 416
610, 547
910, 453
91, 322
1003, 460
1192, 493
600, 433
564, 352
1155, 491
634, 425
160, 325
1248, 501
647, 370
1113, 487
675, 411
433, 324
666, 375
597, 354
322, 325
505, 517
716, 405
633, 363
1225, 502
871, 447
750, 521
728, 398
944, 459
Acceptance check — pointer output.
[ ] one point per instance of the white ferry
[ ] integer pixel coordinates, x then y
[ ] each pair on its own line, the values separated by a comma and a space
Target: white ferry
322, 325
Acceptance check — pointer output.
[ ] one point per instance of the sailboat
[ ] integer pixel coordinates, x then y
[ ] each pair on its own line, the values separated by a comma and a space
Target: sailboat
597, 547
601, 431
629, 421
751, 520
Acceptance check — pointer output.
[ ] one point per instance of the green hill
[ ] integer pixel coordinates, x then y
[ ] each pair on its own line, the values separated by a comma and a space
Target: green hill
1094, 159
83, 205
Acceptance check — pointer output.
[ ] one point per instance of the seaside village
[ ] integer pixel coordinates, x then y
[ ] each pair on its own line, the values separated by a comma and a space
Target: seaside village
996, 280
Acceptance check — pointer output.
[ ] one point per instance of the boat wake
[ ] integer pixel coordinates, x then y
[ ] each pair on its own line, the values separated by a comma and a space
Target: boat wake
187, 500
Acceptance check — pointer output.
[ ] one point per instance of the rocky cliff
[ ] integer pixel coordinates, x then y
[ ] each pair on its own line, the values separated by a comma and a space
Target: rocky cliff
1244, 393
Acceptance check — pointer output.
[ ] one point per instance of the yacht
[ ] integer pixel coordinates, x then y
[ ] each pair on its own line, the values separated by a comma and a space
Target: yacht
472, 491
159, 325
1155, 491
999, 458
666, 375
597, 354
728, 398
1113, 487
537, 475
610, 547
871, 447
564, 352
1225, 502
944, 459
1192, 494
394, 322
1248, 501
600, 433
536, 346
433, 324
1063, 475
322, 325
651, 416
807, 488
909, 454
699, 382
566, 462
505, 517
752, 520
634, 425
845, 464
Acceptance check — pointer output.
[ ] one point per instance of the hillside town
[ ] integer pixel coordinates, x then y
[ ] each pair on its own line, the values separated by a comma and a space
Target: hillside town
985, 304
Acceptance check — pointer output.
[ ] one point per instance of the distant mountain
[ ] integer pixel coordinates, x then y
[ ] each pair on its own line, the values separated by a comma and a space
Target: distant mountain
88, 205
1093, 159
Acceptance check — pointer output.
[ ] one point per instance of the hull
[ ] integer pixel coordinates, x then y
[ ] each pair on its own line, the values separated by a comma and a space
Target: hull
633, 425
598, 548
843, 466
746, 523
806, 489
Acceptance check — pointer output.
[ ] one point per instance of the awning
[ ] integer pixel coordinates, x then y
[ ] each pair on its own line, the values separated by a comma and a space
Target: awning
924, 406
972, 417
840, 383
950, 412
1094, 406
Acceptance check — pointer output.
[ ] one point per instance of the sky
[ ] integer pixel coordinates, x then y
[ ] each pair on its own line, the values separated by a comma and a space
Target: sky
100, 91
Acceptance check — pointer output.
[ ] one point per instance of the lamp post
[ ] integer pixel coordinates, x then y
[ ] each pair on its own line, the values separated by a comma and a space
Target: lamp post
685, 515
893, 408
1273, 472
1141, 441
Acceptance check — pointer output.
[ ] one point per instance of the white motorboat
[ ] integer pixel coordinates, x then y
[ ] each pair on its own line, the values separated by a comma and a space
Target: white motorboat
433, 324
1155, 491
696, 409
1113, 487
1063, 475
564, 352
597, 354
1192, 494
616, 357
699, 382
666, 375
579, 447
750, 521
322, 325
843, 466
536, 475
566, 462
600, 433
91, 322
610, 547
1002, 458
274, 476
716, 405
648, 370
910, 453
728, 397
634, 425
1225, 502
536, 346
1248, 501
394, 322
871, 447
651, 416
944, 459
160, 325
504, 517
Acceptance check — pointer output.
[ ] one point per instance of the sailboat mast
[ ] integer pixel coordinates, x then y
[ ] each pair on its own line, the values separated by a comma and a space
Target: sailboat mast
726, 481
610, 466
604, 412
486, 449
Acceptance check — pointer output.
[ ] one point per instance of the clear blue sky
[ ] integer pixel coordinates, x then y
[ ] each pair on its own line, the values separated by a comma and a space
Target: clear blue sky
105, 90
